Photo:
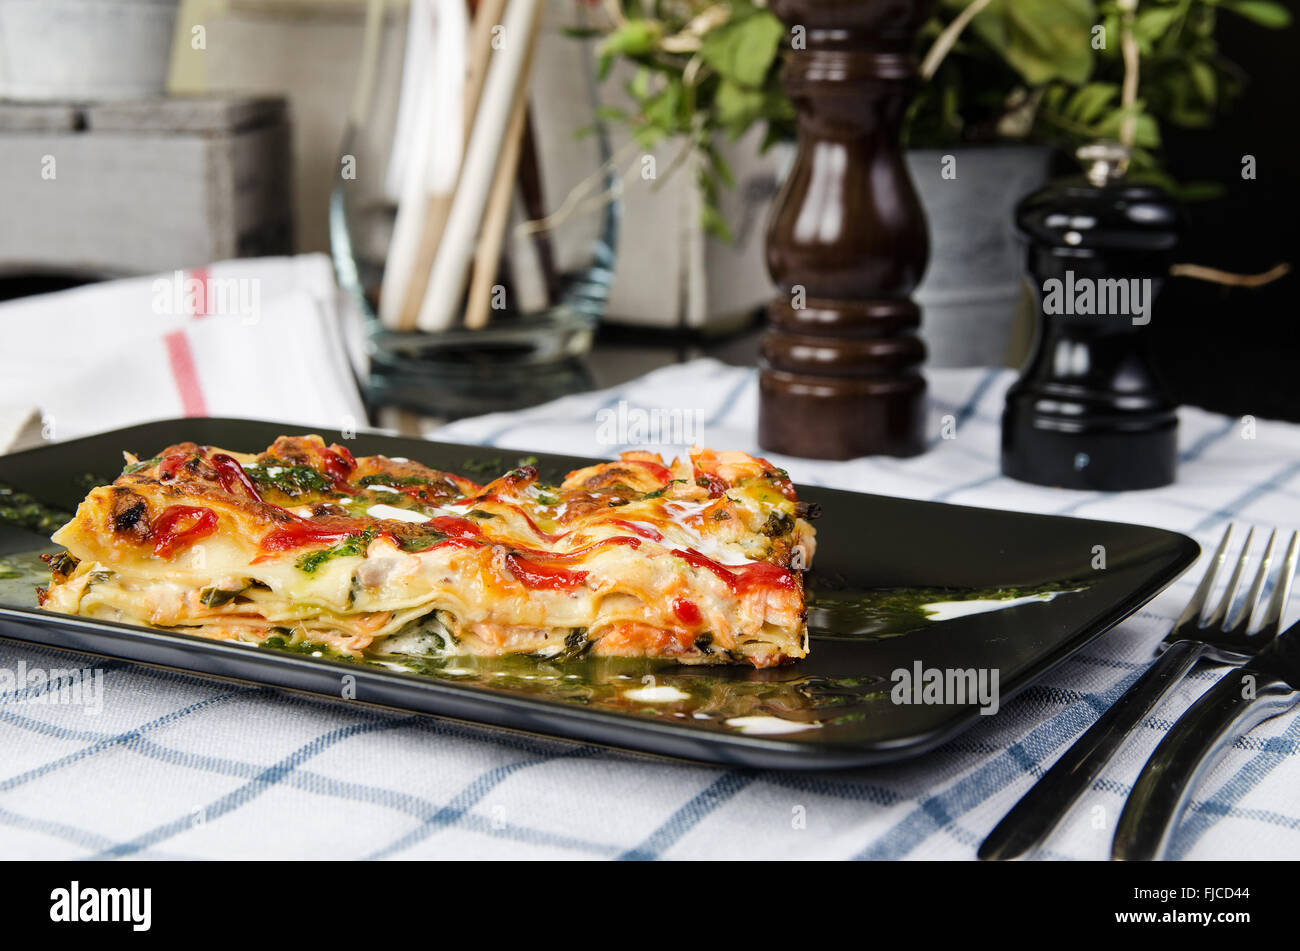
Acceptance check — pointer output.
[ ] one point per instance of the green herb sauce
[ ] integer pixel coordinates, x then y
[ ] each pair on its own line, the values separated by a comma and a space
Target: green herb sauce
889, 612
352, 545
292, 480
20, 509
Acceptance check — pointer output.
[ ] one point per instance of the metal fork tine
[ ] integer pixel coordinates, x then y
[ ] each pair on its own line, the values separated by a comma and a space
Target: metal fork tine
1240, 622
1197, 604
1230, 590
1272, 619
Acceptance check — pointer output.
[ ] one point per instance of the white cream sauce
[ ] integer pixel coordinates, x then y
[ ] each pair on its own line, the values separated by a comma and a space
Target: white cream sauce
947, 610
656, 694
399, 515
768, 726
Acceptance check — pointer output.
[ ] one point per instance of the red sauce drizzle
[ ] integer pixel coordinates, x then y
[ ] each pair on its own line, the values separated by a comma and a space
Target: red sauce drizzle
455, 527
449, 543
687, 612
711, 482
543, 577
171, 464
231, 474
344, 453
338, 463
660, 472
179, 526
761, 574
757, 574
301, 532
784, 486
645, 531
580, 552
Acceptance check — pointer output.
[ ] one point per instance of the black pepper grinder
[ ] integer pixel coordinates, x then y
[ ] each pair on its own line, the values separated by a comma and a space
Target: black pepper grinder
1088, 411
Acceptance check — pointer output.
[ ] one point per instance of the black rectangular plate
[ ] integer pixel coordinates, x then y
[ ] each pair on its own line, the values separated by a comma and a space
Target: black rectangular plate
864, 542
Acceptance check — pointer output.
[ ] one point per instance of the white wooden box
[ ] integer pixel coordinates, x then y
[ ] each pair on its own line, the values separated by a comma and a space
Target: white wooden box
140, 187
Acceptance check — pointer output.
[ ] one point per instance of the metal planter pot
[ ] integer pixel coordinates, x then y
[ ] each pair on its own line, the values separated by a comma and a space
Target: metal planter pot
85, 49
971, 293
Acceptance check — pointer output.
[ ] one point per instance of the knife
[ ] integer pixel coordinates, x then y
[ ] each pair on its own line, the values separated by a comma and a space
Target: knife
1246, 696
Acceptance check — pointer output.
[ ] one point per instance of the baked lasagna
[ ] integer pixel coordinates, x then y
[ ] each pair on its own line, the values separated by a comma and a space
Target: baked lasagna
699, 561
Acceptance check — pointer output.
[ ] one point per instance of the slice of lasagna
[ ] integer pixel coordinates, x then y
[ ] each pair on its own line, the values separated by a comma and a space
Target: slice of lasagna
699, 561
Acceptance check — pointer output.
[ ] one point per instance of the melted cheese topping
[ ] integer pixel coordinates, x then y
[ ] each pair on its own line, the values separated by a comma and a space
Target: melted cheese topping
697, 561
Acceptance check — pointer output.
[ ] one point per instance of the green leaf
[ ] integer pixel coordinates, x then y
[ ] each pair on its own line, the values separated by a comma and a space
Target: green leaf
1054, 98
1145, 168
1089, 102
742, 50
1151, 23
633, 38
713, 223
1041, 39
664, 110
1204, 79
721, 167
1264, 12
1146, 133
647, 136
1110, 34
736, 107
638, 86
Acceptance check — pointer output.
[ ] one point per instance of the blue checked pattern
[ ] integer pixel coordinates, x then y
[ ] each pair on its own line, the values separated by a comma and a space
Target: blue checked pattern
177, 766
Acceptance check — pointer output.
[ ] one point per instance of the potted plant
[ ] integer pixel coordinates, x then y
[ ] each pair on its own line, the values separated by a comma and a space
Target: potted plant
1005, 85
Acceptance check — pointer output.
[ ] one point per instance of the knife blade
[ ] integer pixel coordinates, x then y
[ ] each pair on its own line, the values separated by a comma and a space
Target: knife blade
1246, 696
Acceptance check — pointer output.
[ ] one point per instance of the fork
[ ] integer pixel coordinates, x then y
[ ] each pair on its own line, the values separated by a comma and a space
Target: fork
1225, 637
1243, 698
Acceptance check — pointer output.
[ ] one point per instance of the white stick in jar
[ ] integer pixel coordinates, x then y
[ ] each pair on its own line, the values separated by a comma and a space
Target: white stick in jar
443, 297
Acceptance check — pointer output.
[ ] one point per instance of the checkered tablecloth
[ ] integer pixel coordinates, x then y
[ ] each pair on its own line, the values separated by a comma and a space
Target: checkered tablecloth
178, 766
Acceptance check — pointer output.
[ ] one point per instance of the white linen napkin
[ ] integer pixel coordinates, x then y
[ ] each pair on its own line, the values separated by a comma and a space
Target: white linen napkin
20, 428
257, 338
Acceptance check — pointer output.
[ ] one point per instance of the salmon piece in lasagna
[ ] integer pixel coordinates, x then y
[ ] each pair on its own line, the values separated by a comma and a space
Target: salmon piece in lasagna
699, 561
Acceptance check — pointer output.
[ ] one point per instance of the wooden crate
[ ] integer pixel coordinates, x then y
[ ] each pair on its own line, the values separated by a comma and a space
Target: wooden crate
140, 187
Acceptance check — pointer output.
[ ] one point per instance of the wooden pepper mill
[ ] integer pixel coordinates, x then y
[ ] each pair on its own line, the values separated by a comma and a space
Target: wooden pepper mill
1088, 411
847, 243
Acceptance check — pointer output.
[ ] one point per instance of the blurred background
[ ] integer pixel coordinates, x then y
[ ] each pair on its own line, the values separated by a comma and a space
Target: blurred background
251, 171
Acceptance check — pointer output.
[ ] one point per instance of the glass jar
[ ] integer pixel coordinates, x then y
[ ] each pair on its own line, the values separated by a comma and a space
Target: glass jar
557, 261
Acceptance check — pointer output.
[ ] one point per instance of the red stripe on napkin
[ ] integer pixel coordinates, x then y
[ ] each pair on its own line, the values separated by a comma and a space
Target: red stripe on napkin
200, 274
185, 373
